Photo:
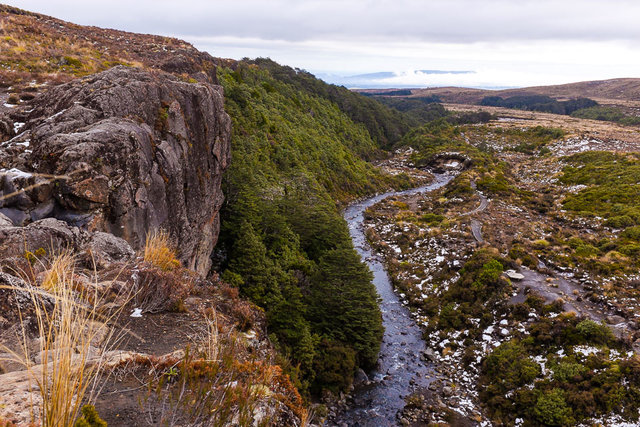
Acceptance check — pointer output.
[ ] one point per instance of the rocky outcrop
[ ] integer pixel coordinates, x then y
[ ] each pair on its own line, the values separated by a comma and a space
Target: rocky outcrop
131, 151
53, 236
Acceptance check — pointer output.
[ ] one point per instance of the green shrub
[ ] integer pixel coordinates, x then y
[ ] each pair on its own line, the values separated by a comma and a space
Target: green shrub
334, 366
632, 233
551, 409
72, 62
510, 367
621, 221
593, 332
432, 219
565, 371
90, 418
632, 250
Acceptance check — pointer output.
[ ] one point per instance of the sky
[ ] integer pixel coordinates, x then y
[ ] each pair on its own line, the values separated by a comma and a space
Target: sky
503, 43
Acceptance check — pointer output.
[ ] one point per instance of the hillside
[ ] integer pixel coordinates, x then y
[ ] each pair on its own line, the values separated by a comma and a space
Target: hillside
142, 106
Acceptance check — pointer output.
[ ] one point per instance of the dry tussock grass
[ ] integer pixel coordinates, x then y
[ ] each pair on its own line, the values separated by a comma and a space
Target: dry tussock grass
158, 250
68, 331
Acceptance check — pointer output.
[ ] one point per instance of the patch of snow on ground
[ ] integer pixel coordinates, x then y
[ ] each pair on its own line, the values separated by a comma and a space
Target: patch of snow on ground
585, 350
15, 173
17, 126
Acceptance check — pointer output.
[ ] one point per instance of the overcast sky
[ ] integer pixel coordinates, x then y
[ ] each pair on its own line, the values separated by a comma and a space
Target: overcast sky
505, 42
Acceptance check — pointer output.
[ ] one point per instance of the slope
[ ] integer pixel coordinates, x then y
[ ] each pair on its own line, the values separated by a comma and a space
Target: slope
299, 149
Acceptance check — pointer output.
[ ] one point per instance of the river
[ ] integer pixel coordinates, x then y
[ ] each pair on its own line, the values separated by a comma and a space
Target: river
401, 369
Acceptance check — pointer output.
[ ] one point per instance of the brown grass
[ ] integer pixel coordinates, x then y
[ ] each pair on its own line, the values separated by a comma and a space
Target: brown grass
212, 339
56, 274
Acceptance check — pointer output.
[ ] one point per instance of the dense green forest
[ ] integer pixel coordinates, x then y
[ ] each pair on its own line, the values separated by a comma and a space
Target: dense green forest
417, 110
299, 147
385, 125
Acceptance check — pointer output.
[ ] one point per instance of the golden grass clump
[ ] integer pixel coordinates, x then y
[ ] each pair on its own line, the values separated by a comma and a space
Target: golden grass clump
159, 252
60, 267
212, 341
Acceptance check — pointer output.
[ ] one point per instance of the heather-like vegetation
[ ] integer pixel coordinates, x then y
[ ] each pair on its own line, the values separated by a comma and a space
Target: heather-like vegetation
563, 371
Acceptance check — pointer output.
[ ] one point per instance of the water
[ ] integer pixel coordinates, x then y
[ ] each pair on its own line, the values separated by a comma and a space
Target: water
401, 369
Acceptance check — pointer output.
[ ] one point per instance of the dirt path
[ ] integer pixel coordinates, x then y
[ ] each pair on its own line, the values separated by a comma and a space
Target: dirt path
552, 288
476, 225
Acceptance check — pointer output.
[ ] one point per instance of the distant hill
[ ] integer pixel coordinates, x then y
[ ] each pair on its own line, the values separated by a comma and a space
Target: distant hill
604, 91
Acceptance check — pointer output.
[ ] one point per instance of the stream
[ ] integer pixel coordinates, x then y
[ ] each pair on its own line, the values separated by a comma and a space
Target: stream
401, 370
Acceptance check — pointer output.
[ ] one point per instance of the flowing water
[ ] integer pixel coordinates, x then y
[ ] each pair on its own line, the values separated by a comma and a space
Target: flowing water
401, 369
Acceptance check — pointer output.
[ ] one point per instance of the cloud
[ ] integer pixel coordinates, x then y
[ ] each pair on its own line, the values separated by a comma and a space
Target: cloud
444, 21
507, 42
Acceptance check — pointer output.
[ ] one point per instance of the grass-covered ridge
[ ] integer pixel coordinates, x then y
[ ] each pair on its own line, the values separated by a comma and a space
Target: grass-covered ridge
295, 153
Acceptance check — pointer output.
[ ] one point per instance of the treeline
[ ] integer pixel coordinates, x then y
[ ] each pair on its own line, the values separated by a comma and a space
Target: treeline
399, 92
297, 148
423, 110
608, 114
539, 103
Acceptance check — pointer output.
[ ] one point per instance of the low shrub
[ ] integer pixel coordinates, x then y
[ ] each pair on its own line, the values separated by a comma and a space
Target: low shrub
157, 289
90, 418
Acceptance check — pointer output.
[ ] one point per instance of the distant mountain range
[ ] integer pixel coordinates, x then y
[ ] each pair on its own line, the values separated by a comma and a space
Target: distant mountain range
384, 79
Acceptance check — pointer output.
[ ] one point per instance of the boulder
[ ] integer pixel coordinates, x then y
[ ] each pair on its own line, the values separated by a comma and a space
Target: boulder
513, 275
430, 355
6, 128
106, 248
360, 378
54, 236
133, 151
49, 234
5, 221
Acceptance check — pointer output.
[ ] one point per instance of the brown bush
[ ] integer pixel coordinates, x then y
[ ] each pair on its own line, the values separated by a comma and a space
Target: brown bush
159, 290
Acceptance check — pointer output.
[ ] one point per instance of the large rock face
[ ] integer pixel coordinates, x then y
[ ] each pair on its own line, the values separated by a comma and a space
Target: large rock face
140, 150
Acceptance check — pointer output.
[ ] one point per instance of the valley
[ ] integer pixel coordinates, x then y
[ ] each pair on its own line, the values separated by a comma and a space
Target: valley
194, 240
